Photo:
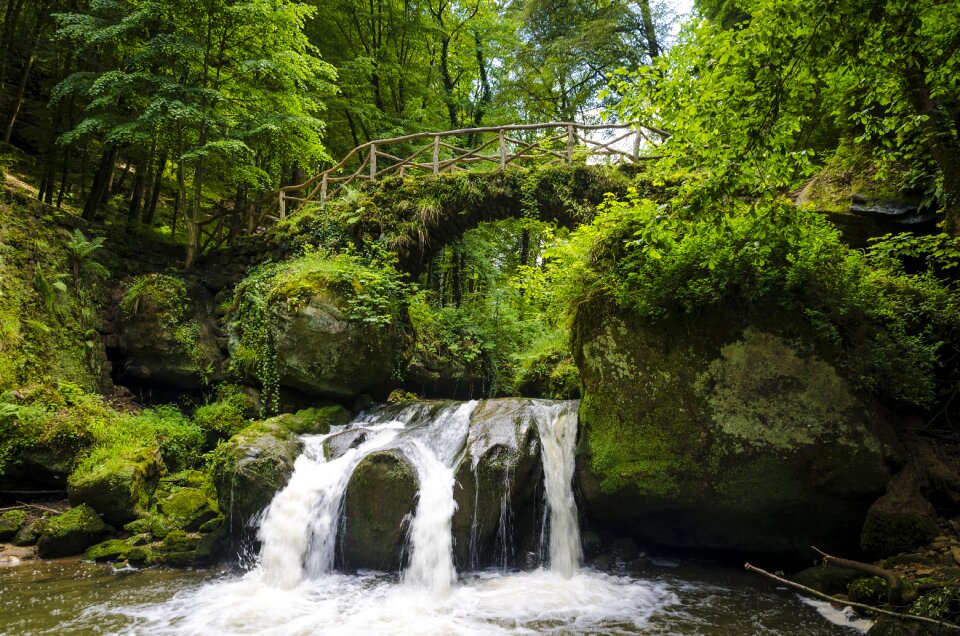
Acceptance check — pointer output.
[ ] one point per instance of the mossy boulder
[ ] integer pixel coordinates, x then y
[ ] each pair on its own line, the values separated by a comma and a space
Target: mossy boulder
250, 468
730, 430
119, 488
10, 523
30, 533
315, 420
502, 462
902, 519
381, 492
71, 532
865, 201
168, 333
187, 509
322, 351
131, 550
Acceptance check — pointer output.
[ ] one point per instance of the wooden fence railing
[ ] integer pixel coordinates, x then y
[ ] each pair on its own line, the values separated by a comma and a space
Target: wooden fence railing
499, 146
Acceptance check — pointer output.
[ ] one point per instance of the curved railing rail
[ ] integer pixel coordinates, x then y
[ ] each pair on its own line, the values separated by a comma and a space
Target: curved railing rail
500, 146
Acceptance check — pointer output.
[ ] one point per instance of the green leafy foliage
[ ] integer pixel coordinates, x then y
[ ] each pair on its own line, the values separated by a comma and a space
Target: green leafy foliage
656, 263
225, 415
755, 99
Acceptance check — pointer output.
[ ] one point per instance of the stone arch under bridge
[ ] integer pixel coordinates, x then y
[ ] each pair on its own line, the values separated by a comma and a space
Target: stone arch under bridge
418, 216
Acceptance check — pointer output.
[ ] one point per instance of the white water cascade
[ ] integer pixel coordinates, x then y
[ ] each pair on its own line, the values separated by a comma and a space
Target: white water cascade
294, 588
558, 434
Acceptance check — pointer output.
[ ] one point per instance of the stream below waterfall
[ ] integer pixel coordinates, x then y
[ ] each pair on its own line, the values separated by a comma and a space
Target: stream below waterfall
297, 582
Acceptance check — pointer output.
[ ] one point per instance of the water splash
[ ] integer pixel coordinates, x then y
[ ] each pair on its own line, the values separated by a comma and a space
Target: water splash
558, 435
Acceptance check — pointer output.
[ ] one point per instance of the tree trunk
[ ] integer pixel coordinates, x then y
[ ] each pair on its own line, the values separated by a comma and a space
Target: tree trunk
448, 83
151, 210
21, 89
136, 200
942, 142
649, 30
64, 177
99, 186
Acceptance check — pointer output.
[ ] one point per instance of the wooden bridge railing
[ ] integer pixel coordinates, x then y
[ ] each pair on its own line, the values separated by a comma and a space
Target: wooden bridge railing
500, 146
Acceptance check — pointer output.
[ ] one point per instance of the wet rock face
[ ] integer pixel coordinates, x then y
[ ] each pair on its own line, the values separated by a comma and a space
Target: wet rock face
381, 493
725, 432
321, 351
497, 484
250, 468
498, 487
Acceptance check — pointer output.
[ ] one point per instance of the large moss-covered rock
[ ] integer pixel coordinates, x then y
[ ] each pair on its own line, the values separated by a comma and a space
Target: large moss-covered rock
250, 468
187, 509
729, 430
10, 523
132, 550
496, 483
381, 492
120, 488
168, 333
902, 519
321, 351
70, 533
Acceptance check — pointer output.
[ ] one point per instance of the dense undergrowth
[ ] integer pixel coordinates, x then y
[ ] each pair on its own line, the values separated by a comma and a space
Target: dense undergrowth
897, 329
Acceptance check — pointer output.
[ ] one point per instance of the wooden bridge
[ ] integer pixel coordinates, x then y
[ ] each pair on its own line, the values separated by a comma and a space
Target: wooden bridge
497, 147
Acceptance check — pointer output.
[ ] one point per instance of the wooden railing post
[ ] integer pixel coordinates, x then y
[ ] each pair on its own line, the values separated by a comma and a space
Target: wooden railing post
570, 140
436, 155
636, 143
283, 206
503, 150
323, 189
373, 162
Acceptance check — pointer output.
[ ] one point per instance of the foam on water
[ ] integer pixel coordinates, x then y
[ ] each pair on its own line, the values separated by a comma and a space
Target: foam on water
486, 603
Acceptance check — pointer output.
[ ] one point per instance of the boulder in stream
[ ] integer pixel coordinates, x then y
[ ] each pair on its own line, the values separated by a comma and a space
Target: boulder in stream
119, 489
729, 431
497, 482
70, 533
381, 493
250, 468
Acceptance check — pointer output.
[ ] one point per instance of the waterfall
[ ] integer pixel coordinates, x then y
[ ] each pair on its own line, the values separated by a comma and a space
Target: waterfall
299, 529
431, 540
295, 590
558, 434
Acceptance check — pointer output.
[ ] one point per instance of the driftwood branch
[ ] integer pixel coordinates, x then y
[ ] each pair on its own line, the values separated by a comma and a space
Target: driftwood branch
863, 606
38, 507
895, 592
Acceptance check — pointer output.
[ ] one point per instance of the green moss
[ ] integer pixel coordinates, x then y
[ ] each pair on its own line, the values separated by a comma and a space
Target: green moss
70, 533
762, 392
314, 421
11, 522
871, 590
119, 550
47, 326
159, 295
187, 508
117, 483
